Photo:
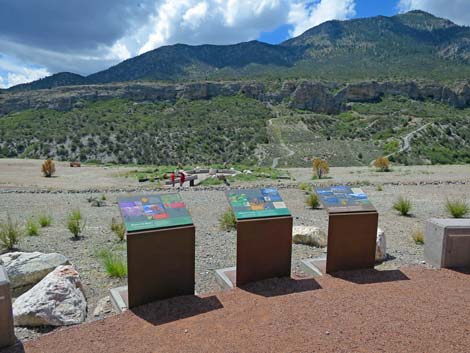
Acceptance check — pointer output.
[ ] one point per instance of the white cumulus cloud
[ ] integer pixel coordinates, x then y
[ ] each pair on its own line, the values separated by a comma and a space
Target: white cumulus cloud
213, 21
457, 11
17, 73
307, 14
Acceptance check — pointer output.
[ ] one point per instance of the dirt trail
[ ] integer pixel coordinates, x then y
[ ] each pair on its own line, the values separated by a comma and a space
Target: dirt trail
408, 310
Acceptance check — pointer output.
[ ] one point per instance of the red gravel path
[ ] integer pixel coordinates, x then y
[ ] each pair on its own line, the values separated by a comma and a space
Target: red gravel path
412, 310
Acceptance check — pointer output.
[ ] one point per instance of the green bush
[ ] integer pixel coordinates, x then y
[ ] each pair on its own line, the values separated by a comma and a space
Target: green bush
312, 201
10, 233
32, 227
44, 220
305, 187
75, 223
115, 265
103, 197
457, 208
379, 187
228, 221
403, 206
118, 228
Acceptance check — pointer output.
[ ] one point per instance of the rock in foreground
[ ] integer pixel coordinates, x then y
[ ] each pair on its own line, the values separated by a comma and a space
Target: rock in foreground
381, 246
57, 300
308, 235
26, 269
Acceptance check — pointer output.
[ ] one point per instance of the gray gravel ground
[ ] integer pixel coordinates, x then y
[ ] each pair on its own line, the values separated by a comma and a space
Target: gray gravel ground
214, 248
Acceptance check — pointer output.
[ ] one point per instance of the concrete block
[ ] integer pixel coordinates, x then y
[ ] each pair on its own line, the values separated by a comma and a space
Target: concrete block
7, 333
447, 242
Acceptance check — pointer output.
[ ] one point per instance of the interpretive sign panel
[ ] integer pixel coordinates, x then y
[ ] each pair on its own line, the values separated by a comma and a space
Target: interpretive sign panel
257, 203
154, 212
344, 199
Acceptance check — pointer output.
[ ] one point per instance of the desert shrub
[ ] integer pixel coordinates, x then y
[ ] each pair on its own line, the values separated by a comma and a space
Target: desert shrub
32, 227
379, 187
75, 223
44, 220
118, 228
312, 201
320, 167
417, 234
403, 206
382, 164
103, 197
10, 233
304, 187
115, 265
48, 168
457, 208
228, 221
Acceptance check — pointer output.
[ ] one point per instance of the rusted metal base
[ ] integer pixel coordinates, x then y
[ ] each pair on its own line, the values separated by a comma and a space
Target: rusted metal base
264, 249
351, 241
160, 264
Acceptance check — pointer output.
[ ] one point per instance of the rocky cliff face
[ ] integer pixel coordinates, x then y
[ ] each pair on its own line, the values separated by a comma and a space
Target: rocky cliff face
314, 96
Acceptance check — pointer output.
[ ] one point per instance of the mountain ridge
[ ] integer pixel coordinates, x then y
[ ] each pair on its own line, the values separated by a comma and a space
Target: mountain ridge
414, 45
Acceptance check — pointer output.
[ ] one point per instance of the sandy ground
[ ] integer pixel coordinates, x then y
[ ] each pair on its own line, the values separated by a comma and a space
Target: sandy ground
409, 310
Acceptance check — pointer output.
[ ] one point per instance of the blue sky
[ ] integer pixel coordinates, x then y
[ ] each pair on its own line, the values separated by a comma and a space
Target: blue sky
39, 38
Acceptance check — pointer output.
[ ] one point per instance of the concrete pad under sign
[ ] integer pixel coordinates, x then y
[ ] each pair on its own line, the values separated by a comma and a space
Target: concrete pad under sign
226, 277
120, 299
314, 267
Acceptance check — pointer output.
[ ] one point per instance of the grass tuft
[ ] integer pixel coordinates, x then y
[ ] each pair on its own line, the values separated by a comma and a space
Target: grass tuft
115, 265
44, 220
457, 208
417, 235
403, 206
32, 228
228, 221
10, 233
118, 228
75, 223
312, 201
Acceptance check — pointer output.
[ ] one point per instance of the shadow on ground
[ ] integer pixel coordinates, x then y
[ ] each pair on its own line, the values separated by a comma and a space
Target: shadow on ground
281, 286
370, 276
169, 310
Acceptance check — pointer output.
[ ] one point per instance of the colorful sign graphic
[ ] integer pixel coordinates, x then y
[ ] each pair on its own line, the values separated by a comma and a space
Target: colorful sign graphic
257, 203
153, 212
344, 199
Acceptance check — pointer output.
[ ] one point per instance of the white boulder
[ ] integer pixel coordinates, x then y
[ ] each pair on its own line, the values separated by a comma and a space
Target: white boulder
309, 235
381, 246
26, 269
57, 300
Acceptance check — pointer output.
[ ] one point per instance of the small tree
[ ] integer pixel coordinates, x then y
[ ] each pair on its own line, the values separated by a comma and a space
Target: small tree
320, 167
382, 164
48, 168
